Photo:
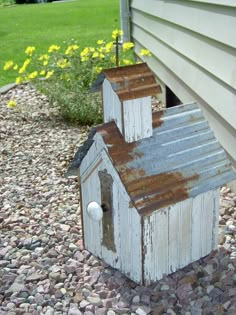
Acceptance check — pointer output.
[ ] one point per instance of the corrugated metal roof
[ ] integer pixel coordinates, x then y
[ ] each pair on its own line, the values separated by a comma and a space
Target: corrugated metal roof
182, 159
133, 81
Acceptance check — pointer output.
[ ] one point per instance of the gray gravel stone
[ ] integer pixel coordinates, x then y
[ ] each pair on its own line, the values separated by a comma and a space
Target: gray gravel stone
143, 310
44, 268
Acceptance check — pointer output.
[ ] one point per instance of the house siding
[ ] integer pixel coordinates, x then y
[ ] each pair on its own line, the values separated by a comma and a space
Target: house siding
193, 48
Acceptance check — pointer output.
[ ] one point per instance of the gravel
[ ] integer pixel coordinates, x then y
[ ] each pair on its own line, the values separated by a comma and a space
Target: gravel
44, 268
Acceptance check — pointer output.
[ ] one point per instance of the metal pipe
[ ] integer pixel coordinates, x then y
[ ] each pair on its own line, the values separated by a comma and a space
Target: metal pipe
117, 51
125, 19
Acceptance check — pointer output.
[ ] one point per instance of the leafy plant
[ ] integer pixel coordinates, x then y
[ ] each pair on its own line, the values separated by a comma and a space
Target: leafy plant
6, 3
67, 73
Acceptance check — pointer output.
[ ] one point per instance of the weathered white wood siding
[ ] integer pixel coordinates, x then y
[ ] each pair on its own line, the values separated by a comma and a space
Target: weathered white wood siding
111, 105
92, 154
180, 234
136, 122
137, 119
193, 46
127, 226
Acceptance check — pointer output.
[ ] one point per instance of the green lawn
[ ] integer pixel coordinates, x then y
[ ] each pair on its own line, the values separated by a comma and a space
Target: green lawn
42, 25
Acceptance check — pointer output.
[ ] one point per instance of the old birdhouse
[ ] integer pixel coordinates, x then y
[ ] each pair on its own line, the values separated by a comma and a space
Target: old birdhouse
149, 182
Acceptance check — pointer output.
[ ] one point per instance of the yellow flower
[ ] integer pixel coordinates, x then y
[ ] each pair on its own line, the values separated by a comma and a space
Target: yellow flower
103, 49
49, 74
53, 48
15, 67
84, 59
100, 42
95, 54
27, 61
21, 70
42, 72
19, 80
145, 52
62, 63
29, 50
25, 64
117, 33
11, 104
71, 49
84, 52
8, 65
127, 62
33, 75
98, 69
113, 59
109, 46
127, 46
43, 57
101, 56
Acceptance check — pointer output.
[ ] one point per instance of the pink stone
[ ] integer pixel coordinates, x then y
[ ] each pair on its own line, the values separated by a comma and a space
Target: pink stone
107, 303
232, 292
83, 304
103, 294
183, 291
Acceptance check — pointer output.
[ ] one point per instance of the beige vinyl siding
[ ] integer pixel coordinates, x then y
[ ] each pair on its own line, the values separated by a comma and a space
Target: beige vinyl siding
218, 2
212, 21
193, 46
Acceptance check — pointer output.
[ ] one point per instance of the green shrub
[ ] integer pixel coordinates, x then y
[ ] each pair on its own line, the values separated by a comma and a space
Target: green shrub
6, 3
67, 73
30, 1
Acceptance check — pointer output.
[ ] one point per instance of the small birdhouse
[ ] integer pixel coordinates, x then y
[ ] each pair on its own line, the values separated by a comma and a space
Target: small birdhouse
149, 181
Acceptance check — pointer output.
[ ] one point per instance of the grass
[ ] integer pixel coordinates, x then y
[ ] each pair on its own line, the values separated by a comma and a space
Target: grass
42, 25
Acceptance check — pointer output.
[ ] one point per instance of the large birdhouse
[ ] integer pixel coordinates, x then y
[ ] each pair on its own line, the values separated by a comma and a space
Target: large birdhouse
149, 181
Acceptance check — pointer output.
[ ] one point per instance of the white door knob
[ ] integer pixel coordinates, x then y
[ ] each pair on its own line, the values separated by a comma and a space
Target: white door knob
94, 211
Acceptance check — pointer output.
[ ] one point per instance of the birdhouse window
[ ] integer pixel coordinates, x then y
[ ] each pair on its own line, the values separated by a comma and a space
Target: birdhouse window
106, 183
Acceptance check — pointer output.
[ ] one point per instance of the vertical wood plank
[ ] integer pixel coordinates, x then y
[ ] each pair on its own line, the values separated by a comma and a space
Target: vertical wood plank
113, 257
156, 245
111, 105
205, 213
215, 220
92, 229
174, 251
137, 119
208, 220
196, 228
146, 113
130, 240
185, 232
180, 235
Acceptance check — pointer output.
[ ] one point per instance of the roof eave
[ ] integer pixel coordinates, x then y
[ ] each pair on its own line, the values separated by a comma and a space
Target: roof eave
73, 169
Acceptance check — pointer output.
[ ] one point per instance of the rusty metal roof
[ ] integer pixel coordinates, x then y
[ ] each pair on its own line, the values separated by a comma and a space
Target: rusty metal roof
133, 81
181, 160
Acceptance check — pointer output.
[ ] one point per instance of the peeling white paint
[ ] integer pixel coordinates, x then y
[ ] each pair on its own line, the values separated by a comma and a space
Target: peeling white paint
137, 119
127, 226
179, 235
